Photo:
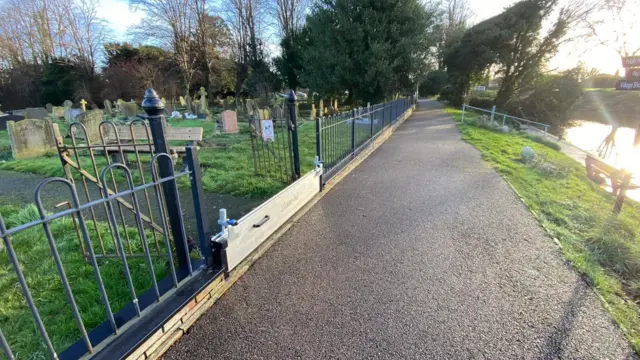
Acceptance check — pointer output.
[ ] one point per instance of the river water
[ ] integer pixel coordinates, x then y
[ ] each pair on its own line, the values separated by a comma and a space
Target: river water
588, 136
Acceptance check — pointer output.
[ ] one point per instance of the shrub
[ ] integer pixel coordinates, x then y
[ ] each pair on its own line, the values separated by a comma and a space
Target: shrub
481, 103
434, 83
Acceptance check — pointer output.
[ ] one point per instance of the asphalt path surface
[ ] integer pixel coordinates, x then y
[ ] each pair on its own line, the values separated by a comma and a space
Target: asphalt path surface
422, 252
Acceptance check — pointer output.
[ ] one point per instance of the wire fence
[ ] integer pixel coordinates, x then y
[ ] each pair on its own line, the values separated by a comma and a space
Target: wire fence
499, 119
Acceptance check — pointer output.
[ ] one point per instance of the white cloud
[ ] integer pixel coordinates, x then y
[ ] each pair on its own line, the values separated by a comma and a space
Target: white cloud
119, 16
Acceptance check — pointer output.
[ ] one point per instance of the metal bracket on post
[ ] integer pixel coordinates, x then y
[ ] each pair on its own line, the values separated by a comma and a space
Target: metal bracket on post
202, 220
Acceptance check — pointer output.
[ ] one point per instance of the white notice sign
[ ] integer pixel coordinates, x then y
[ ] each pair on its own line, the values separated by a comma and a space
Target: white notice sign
267, 130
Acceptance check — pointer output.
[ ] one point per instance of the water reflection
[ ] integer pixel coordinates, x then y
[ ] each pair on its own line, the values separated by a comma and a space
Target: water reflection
588, 136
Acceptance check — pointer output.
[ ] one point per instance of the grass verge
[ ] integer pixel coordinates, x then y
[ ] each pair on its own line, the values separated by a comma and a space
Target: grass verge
602, 247
226, 160
38, 266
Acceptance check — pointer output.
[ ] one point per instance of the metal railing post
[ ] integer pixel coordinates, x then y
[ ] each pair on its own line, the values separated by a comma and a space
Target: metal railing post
493, 113
202, 220
504, 119
294, 133
319, 146
353, 132
154, 107
370, 119
464, 106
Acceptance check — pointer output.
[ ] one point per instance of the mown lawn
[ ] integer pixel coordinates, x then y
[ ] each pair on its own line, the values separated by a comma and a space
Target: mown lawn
37, 263
226, 160
577, 212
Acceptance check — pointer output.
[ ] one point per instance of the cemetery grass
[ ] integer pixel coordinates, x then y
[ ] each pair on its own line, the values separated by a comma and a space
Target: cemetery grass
578, 213
37, 263
226, 161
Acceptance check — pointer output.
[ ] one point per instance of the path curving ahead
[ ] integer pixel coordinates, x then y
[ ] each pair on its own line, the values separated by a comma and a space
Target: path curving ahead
421, 252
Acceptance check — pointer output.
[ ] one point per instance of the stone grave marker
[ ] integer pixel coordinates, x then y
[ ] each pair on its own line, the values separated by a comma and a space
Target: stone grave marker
230, 122
36, 113
67, 104
57, 112
204, 104
70, 114
91, 120
182, 101
321, 107
31, 138
264, 114
49, 108
128, 110
189, 103
107, 108
83, 105
313, 111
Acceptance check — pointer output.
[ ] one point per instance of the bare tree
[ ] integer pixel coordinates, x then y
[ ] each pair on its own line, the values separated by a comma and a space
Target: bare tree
45, 29
456, 19
289, 15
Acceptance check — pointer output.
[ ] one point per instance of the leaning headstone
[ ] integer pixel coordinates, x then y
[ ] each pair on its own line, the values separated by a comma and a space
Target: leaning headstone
91, 120
31, 138
313, 111
229, 122
36, 113
49, 108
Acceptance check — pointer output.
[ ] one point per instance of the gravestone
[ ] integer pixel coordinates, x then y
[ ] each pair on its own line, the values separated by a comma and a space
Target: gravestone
183, 102
128, 110
321, 107
107, 108
229, 122
70, 114
188, 103
57, 112
49, 108
335, 105
67, 104
36, 113
83, 105
31, 138
91, 120
204, 104
313, 111
5, 118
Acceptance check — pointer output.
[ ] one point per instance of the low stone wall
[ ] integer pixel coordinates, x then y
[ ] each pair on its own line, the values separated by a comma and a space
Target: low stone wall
31, 138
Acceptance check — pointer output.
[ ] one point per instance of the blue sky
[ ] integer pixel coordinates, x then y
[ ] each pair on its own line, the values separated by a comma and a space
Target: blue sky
120, 16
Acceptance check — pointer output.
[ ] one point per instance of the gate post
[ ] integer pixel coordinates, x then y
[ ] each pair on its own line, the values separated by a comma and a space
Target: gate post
154, 107
202, 220
294, 133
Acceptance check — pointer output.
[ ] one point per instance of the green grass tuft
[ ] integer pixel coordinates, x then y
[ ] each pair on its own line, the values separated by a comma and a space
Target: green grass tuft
578, 213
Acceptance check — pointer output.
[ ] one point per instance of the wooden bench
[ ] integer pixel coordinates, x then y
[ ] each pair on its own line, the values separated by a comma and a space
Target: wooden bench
136, 138
598, 170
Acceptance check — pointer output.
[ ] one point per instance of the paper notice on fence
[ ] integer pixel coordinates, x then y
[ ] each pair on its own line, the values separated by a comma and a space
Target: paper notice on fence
267, 130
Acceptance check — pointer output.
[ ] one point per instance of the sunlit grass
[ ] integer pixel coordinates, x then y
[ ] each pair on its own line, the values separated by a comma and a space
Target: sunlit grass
37, 263
578, 213
226, 161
